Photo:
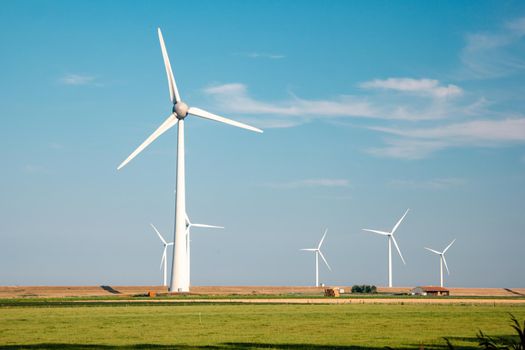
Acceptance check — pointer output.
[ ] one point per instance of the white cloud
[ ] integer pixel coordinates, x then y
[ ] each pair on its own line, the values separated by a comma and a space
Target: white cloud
475, 131
271, 56
428, 87
416, 143
35, 169
495, 54
310, 183
409, 149
437, 184
77, 79
234, 98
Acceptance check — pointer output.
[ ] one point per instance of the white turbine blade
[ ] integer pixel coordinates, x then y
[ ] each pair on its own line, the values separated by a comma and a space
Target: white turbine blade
166, 125
174, 92
163, 257
433, 251
399, 222
448, 246
207, 115
170, 243
398, 250
326, 262
205, 226
188, 222
158, 233
445, 261
375, 231
322, 239
309, 249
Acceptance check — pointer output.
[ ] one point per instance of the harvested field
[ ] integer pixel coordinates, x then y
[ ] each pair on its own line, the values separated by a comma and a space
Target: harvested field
100, 291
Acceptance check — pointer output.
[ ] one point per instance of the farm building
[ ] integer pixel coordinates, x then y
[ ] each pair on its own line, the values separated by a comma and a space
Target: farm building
430, 290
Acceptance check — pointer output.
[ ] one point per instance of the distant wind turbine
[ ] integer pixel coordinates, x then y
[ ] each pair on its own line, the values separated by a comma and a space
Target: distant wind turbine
318, 253
164, 259
189, 225
180, 110
391, 239
442, 259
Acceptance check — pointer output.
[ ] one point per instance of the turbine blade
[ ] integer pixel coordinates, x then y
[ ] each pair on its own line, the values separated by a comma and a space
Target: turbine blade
326, 262
188, 222
163, 257
398, 250
205, 226
445, 261
166, 125
375, 231
433, 251
207, 115
158, 233
448, 246
309, 249
174, 92
322, 239
399, 222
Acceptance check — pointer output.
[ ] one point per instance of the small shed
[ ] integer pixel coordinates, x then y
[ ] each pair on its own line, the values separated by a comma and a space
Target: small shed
430, 290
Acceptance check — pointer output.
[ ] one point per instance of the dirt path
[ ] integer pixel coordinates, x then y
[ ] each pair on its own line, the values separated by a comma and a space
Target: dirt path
323, 301
226, 291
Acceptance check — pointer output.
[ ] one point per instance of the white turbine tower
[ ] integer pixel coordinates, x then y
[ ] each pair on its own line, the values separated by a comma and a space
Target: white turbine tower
179, 272
189, 225
164, 259
318, 253
442, 259
391, 239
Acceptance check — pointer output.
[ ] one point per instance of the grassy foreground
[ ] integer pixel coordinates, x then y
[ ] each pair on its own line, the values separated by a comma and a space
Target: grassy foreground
244, 326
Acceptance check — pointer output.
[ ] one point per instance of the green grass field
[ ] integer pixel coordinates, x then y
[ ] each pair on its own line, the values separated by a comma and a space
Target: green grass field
249, 326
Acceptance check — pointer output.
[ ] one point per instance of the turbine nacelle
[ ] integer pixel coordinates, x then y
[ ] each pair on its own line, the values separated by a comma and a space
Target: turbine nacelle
180, 109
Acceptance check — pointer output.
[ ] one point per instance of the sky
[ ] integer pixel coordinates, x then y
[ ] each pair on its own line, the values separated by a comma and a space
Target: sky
368, 108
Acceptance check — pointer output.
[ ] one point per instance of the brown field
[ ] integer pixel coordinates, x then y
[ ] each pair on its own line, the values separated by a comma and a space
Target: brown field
89, 291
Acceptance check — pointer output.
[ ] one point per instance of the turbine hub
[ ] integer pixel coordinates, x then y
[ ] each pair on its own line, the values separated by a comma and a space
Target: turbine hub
181, 110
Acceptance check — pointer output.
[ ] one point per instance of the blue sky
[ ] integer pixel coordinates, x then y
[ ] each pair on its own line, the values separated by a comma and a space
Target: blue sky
368, 108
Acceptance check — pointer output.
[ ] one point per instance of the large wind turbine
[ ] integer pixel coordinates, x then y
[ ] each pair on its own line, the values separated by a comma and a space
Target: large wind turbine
180, 110
318, 253
442, 259
189, 225
391, 239
164, 259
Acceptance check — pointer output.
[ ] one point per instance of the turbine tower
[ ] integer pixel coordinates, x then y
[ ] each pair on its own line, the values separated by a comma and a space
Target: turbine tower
442, 259
318, 253
391, 239
164, 259
189, 225
180, 110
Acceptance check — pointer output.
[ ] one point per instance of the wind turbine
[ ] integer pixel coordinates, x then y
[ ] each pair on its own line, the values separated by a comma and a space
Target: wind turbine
189, 225
442, 259
164, 259
391, 239
180, 110
318, 253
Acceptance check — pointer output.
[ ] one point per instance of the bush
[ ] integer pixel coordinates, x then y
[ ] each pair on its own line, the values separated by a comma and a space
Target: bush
364, 289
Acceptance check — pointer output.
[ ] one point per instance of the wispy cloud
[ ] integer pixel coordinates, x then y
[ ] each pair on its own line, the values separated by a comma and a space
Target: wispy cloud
495, 54
35, 169
310, 183
77, 79
434, 184
271, 56
234, 98
415, 143
409, 149
425, 87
